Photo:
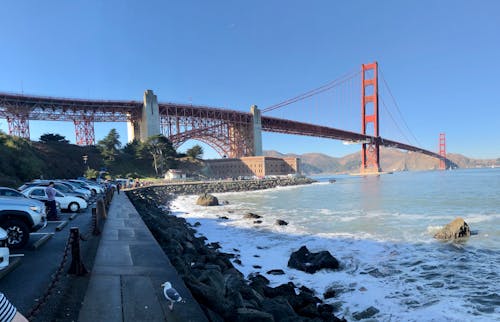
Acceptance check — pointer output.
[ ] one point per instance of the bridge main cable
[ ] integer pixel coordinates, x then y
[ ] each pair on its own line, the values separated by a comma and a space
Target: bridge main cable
313, 92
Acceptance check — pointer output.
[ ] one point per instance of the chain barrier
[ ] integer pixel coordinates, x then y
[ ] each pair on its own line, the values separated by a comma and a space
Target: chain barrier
94, 226
53, 283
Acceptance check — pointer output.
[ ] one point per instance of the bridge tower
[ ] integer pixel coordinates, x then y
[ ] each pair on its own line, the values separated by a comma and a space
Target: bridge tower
370, 151
84, 131
442, 151
19, 126
149, 122
257, 130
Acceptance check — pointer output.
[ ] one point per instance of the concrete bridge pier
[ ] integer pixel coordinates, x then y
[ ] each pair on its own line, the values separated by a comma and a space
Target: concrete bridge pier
257, 131
149, 124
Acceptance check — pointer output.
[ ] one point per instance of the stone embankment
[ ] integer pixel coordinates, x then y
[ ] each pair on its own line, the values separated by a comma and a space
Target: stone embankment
220, 289
196, 188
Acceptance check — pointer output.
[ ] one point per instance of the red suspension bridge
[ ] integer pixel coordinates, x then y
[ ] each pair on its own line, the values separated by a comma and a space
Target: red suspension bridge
231, 133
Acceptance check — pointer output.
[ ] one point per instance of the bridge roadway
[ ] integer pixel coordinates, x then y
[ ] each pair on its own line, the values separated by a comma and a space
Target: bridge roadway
64, 109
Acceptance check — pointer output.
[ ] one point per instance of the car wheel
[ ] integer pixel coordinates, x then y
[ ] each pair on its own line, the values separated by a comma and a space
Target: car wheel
74, 207
18, 233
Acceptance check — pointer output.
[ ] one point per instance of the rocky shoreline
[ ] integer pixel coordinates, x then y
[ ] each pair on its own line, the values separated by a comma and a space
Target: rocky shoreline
195, 188
220, 289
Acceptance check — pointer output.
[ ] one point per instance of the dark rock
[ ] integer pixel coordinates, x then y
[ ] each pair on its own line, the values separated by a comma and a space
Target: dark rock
458, 228
252, 315
257, 221
214, 245
280, 222
256, 255
211, 315
308, 262
276, 272
329, 293
310, 311
197, 224
368, 313
285, 290
257, 266
207, 200
225, 202
251, 216
279, 308
237, 261
306, 289
258, 279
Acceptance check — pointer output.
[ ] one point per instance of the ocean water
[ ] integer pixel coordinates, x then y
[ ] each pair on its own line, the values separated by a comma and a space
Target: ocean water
380, 229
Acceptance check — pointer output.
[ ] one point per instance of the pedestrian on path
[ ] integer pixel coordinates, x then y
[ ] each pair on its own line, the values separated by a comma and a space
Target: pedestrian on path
8, 312
118, 186
51, 202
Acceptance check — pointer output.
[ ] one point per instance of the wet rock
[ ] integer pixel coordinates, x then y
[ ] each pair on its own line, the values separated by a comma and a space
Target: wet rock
197, 224
251, 215
252, 315
279, 308
207, 200
308, 262
223, 217
458, 228
257, 222
276, 272
280, 222
257, 266
368, 313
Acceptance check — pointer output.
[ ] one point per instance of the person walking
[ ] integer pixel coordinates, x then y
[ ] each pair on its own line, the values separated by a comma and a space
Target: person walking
51, 202
8, 312
118, 186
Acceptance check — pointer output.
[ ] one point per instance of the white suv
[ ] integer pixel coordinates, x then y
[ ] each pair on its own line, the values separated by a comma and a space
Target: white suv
19, 217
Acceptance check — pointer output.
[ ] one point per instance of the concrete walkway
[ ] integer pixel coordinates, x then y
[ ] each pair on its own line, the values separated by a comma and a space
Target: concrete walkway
129, 268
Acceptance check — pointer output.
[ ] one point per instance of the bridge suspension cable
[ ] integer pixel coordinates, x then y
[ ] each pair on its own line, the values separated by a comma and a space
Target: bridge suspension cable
313, 92
417, 143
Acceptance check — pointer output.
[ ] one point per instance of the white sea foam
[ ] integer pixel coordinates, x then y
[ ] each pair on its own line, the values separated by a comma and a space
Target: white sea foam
389, 259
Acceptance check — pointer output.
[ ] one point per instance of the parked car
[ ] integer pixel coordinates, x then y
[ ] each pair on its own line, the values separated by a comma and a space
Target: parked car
67, 190
19, 217
76, 188
92, 186
4, 249
67, 202
9, 192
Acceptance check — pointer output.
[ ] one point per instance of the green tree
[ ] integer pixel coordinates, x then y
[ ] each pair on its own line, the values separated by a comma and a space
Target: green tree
161, 150
195, 152
91, 173
109, 146
50, 137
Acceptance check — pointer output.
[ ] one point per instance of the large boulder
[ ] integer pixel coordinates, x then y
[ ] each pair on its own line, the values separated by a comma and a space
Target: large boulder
458, 228
207, 200
308, 262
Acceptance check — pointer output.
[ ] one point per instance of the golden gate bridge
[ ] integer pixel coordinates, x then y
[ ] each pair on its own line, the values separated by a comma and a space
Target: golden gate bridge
231, 133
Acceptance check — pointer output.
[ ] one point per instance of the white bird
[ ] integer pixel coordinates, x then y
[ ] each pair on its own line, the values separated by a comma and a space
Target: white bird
171, 294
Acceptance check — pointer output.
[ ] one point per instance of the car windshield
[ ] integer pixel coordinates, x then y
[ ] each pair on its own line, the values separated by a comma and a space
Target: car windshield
61, 187
11, 193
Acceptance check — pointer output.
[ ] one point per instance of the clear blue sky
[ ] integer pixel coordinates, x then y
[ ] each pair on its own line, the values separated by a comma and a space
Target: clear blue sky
441, 59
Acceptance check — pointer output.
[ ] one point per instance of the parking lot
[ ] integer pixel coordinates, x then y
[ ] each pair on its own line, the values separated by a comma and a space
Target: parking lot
32, 268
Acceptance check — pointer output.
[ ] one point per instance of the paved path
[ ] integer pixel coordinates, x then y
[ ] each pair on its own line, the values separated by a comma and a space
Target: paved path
129, 268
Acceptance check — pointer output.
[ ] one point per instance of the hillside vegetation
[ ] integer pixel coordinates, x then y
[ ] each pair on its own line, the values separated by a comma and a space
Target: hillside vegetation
391, 160
23, 160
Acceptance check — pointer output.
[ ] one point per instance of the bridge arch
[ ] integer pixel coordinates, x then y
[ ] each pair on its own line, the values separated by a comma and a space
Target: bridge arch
217, 145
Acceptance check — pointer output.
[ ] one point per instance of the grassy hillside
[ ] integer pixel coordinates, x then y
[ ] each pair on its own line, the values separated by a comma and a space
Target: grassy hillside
22, 160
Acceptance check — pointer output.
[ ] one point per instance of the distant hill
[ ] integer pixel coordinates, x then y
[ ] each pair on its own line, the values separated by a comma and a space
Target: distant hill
391, 160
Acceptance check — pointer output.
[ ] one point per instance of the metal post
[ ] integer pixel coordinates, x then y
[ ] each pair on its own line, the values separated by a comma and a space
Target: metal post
76, 267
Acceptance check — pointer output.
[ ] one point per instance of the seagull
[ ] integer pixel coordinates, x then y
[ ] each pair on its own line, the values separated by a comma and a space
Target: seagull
171, 294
